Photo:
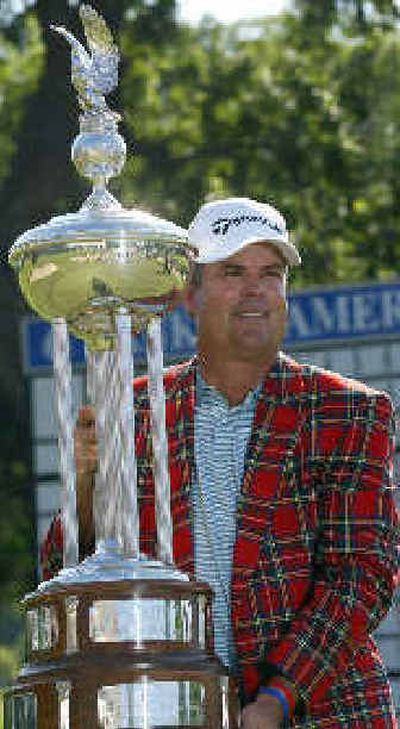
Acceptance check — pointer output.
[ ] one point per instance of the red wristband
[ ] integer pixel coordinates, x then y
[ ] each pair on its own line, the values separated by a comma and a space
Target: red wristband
282, 685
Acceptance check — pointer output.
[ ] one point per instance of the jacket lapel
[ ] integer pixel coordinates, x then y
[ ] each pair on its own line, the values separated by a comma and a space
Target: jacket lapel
180, 394
277, 424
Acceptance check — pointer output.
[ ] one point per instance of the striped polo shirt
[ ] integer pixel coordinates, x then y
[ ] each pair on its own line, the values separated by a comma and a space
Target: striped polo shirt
221, 436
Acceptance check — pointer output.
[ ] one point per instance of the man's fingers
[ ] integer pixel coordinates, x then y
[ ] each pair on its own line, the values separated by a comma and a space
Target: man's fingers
264, 713
85, 441
86, 417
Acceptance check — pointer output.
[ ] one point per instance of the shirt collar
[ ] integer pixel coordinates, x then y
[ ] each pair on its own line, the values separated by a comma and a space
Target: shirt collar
209, 395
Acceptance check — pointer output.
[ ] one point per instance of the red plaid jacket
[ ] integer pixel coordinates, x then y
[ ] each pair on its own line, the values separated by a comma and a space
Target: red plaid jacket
314, 562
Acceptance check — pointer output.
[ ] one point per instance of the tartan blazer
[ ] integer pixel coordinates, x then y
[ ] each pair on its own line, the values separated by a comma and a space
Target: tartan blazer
315, 560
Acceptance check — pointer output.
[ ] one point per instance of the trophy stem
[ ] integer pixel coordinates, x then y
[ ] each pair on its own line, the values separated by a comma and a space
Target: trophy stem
160, 442
127, 481
92, 366
110, 376
63, 393
98, 368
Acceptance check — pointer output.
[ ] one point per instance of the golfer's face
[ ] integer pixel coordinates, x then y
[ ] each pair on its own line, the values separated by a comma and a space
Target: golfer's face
241, 303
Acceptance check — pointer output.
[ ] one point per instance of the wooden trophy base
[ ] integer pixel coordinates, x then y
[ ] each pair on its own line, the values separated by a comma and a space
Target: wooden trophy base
121, 654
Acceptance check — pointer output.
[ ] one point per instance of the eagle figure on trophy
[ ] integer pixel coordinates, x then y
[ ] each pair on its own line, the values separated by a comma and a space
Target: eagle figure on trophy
95, 73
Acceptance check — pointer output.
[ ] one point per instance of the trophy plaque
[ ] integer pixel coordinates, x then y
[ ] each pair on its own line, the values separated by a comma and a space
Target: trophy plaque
119, 640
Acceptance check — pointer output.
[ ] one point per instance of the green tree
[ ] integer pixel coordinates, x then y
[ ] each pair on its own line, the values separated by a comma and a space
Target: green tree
219, 111
20, 67
370, 93
21, 63
358, 14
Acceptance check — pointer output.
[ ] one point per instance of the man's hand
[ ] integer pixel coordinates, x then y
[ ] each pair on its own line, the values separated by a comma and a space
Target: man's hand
264, 713
85, 464
85, 442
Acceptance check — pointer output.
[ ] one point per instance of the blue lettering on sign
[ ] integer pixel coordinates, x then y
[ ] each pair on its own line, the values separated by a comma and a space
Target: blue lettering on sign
314, 315
344, 313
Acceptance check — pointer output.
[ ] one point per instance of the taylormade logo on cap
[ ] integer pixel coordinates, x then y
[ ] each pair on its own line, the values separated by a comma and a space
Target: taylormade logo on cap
222, 228
222, 225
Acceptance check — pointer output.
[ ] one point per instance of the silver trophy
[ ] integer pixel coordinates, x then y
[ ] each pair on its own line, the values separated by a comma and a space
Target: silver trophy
119, 640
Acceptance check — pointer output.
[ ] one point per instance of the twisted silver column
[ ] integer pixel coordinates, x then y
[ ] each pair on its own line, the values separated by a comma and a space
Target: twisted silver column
98, 370
129, 515
109, 465
63, 398
110, 378
116, 501
160, 442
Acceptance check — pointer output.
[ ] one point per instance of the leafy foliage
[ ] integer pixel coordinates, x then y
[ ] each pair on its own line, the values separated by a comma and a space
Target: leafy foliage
16, 534
20, 67
21, 63
311, 126
359, 15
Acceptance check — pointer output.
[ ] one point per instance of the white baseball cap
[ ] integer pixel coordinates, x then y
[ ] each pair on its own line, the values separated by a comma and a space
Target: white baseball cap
223, 227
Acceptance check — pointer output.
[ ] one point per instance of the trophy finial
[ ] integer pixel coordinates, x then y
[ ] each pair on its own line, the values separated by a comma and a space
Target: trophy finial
98, 151
95, 72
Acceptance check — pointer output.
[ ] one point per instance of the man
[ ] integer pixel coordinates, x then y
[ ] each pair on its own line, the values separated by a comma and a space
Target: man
280, 489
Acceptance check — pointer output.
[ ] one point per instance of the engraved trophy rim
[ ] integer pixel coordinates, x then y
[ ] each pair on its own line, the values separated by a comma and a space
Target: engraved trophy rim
110, 227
